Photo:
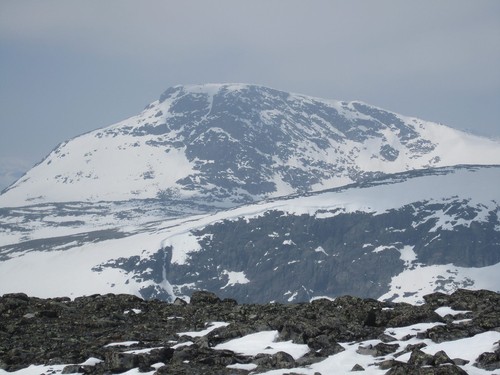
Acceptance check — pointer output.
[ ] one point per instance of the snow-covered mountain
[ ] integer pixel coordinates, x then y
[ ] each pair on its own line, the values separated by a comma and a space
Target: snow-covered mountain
234, 143
259, 195
397, 237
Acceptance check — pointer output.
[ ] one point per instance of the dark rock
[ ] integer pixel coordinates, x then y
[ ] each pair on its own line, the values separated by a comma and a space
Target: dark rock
460, 361
180, 302
61, 331
159, 355
357, 367
446, 370
163, 370
184, 354
278, 360
389, 363
202, 342
419, 358
371, 318
488, 361
405, 369
230, 301
204, 297
441, 358
324, 344
400, 369
386, 338
218, 358
121, 362
19, 296
48, 314
367, 350
452, 332
422, 363
298, 331
410, 348
72, 369
377, 350
464, 299
383, 349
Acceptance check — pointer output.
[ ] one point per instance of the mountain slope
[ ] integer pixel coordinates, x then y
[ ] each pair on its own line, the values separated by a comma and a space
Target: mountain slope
397, 237
233, 143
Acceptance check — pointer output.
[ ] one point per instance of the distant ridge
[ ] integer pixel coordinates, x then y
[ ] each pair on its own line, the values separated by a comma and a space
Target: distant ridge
234, 143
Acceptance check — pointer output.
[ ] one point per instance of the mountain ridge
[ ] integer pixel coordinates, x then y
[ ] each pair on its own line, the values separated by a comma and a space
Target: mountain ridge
428, 228
237, 143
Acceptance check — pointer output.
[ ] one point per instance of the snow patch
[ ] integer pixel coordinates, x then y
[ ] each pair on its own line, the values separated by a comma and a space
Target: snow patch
235, 278
445, 310
182, 244
319, 249
263, 342
210, 328
413, 284
91, 362
123, 343
408, 255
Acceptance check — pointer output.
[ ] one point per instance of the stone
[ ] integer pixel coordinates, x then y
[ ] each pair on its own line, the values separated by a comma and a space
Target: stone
366, 350
419, 358
48, 314
121, 362
19, 296
377, 350
72, 369
75, 330
204, 297
460, 361
386, 338
441, 358
324, 344
179, 302
389, 363
384, 349
357, 367
488, 361
278, 360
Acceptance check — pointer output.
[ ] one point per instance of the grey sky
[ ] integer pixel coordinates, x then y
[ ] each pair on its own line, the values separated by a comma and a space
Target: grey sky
67, 67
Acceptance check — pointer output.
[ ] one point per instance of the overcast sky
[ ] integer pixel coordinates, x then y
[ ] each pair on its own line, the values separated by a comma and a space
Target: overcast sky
67, 67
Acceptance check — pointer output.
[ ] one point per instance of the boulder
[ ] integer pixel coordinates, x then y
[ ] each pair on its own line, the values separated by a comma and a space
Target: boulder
204, 297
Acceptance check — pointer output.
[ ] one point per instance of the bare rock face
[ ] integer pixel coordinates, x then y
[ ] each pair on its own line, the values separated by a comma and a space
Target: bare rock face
104, 334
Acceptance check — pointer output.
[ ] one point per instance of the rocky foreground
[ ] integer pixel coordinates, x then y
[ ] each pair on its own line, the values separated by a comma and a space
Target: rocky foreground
103, 334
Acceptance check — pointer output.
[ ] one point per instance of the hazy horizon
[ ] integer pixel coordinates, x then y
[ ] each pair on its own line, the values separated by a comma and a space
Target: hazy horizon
71, 67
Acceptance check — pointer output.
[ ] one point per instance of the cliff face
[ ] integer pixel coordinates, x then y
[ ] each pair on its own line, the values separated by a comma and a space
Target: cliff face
394, 238
116, 333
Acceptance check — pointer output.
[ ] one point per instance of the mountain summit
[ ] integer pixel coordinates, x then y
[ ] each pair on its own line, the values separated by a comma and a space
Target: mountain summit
234, 143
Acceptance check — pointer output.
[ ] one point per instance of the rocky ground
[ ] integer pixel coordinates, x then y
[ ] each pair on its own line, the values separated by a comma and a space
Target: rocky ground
104, 334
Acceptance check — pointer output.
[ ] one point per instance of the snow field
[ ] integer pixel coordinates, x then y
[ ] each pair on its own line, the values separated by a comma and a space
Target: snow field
72, 271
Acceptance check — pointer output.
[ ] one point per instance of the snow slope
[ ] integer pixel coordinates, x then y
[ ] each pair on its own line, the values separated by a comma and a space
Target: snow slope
235, 143
148, 258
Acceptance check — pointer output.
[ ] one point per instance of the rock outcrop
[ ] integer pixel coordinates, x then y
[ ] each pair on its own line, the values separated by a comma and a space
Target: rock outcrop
103, 334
